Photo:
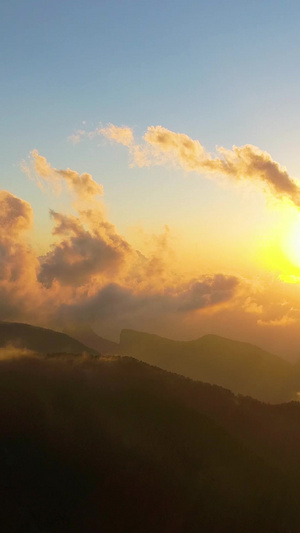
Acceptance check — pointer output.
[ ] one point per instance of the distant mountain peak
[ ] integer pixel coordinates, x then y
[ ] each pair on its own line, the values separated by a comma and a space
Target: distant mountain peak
239, 366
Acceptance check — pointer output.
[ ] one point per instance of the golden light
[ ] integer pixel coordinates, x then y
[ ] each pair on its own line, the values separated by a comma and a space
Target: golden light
291, 244
279, 248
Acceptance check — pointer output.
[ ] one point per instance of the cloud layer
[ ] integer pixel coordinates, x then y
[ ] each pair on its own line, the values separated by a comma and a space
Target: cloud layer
91, 273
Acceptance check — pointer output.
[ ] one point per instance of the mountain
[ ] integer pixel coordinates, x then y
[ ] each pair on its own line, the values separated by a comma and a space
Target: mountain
88, 337
238, 366
113, 444
40, 340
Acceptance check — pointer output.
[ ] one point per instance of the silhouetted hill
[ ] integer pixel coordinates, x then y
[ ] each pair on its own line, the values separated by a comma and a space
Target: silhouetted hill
238, 366
40, 340
88, 337
112, 444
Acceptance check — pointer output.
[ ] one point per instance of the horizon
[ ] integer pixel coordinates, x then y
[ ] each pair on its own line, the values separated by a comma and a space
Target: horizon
79, 331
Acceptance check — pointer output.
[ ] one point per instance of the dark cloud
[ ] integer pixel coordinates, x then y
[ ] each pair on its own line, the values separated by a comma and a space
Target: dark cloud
114, 302
211, 291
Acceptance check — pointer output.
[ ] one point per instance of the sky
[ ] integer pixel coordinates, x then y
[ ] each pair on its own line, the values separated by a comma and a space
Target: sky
149, 167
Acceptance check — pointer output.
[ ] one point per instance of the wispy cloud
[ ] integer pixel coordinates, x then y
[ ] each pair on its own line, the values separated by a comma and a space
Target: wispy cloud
246, 162
161, 146
122, 135
83, 185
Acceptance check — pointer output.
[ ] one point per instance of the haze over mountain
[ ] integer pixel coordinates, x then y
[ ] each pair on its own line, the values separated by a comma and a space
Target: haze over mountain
241, 367
113, 444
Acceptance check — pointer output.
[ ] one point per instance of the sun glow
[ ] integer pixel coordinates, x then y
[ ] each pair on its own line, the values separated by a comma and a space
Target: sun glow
291, 245
279, 250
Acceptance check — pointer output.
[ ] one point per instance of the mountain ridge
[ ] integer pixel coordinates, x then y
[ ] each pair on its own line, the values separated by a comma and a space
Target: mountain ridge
39, 339
241, 367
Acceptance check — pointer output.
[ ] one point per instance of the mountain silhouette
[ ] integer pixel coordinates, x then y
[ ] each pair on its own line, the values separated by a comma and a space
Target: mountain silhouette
238, 366
87, 336
113, 444
40, 340
241, 367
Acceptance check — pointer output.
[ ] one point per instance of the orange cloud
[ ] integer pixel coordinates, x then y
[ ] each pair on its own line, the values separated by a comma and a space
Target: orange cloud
18, 263
15, 215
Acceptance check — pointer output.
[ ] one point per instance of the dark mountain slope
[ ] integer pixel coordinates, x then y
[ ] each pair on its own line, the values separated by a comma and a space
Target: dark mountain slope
40, 340
112, 444
240, 367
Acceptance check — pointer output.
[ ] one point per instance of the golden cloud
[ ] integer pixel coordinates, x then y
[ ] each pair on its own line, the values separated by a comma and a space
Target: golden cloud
162, 146
83, 185
246, 162
122, 135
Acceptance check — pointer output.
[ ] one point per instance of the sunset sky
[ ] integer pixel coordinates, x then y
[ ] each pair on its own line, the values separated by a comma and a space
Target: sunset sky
150, 170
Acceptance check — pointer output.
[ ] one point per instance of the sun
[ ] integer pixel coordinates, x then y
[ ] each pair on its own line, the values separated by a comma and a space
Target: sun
279, 248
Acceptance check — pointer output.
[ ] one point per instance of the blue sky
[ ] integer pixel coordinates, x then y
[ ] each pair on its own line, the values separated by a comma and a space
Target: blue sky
223, 72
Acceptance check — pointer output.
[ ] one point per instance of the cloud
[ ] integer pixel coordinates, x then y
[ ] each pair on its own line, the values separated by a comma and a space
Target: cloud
18, 263
162, 146
89, 247
13, 351
88, 250
121, 304
16, 215
280, 322
207, 293
92, 275
139, 154
82, 253
76, 137
122, 135
246, 162
83, 185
